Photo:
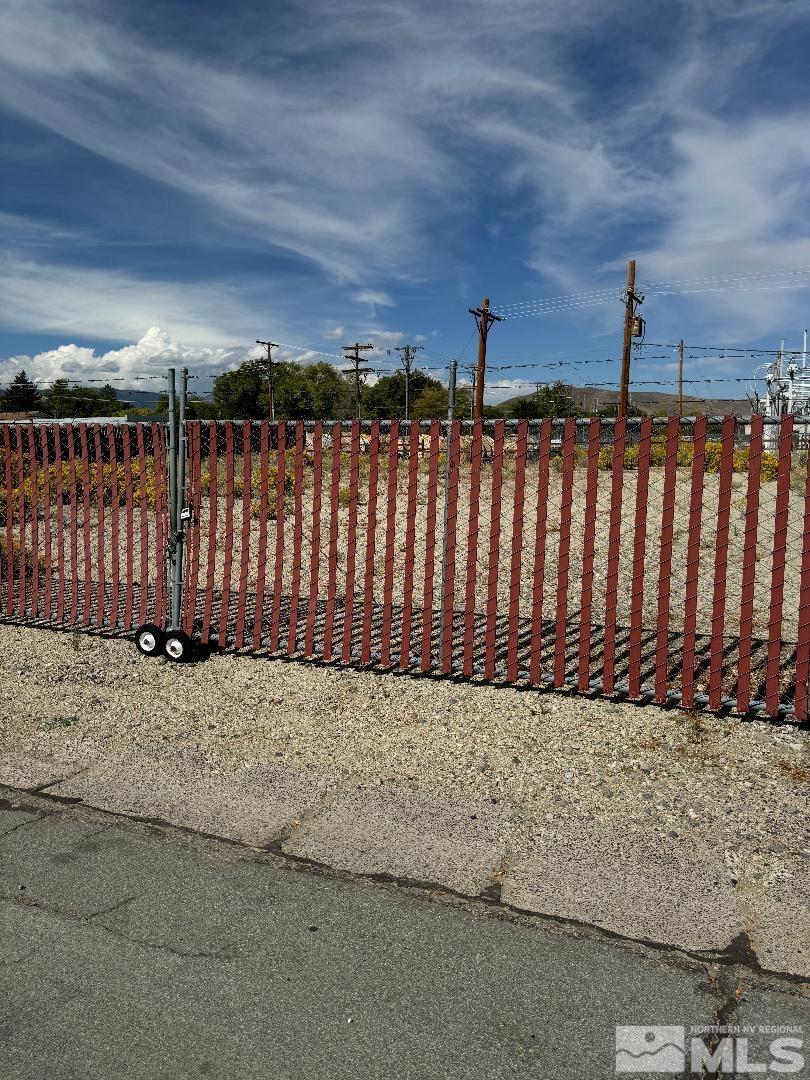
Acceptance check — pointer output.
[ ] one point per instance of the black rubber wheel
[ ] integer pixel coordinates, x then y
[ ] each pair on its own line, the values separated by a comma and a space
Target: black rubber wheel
178, 646
149, 640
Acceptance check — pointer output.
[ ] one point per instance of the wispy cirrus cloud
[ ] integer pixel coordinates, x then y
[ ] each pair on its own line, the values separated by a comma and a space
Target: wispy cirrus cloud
384, 146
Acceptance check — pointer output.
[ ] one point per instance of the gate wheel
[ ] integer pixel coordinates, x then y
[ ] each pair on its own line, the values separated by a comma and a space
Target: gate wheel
178, 646
149, 640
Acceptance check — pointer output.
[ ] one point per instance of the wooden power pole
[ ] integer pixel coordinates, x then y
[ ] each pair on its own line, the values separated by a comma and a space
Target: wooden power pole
680, 377
268, 369
408, 354
484, 318
632, 328
353, 355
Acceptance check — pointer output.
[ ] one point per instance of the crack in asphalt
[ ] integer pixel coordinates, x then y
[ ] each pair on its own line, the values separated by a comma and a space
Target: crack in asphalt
739, 952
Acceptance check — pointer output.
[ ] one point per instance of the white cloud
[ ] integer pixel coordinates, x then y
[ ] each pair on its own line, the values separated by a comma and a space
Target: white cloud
374, 298
335, 333
113, 304
150, 356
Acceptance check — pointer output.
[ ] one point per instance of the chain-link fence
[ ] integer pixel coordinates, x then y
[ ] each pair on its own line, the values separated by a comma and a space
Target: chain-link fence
83, 523
667, 560
656, 559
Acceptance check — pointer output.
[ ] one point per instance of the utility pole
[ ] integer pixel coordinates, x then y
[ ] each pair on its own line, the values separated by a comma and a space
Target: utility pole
632, 328
267, 364
408, 354
484, 318
353, 354
680, 377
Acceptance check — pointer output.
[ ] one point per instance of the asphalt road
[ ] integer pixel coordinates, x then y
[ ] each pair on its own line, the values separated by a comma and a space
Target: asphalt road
128, 951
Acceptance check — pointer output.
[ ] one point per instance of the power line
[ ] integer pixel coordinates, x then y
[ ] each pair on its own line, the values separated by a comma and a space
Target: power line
745, 275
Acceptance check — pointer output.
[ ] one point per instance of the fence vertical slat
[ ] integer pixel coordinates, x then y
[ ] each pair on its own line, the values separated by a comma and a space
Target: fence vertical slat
690, 603
476, 453
780, 531
129, 524
665, 560
721, 563
371, 542
47, 526
315, 548
430, 547
564, 551
227, 562
410, 544
749, 565
298, 535
334, 526
803, 635
34, 471
390, 537
211, 560
144, 524
19, 453
639, 558
244, 541
538, 569
193, 528
449, 580
261, 543
74, 525
588, 552
513, 632
59, 480
278, 565
493, 561
115, 524
101, 526
614, 552
9, 559
86, 557
351, 543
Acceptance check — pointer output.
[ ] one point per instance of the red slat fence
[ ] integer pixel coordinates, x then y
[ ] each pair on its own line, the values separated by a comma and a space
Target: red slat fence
653, 560
83, 524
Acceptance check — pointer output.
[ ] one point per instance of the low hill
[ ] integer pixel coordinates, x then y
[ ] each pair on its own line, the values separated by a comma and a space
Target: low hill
592, 399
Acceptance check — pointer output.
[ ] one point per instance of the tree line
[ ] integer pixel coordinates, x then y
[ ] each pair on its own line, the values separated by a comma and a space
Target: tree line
301, 392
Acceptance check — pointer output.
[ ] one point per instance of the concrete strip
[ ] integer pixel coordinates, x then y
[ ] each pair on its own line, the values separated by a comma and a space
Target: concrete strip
779, 920
254, 805
30, 771
623, 881
405, 833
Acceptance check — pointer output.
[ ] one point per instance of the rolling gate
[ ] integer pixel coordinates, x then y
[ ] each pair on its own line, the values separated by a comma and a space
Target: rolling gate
662, 561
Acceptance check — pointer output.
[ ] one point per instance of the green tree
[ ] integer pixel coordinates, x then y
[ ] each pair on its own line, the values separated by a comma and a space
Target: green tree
308, 392
553, 400
22, 395
241, 394
431, 404
62, 400
385, 400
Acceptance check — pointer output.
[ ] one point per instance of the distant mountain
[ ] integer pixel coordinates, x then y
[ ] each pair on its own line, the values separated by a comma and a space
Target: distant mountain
591, 399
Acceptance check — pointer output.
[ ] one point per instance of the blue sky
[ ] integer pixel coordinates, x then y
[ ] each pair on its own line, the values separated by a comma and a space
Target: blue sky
332, 171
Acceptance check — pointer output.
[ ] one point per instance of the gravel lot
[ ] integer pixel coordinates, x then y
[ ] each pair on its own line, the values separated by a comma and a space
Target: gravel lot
741, 783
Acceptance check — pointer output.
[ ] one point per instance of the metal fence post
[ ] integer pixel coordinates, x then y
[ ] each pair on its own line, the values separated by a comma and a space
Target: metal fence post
178, 457
171, 456
451, 413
